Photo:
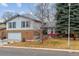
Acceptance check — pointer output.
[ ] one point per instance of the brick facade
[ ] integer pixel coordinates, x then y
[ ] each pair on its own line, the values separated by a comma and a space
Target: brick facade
2, 33
26, 34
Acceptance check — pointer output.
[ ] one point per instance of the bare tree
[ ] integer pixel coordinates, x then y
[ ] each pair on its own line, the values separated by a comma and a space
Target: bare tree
46, 13
41, 11
6, 15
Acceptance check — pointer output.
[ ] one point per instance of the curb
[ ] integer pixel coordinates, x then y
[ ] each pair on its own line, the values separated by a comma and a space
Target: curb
51, 49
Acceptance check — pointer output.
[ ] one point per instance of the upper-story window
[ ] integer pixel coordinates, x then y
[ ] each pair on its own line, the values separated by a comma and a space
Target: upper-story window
9, 25
12, 24
25, 24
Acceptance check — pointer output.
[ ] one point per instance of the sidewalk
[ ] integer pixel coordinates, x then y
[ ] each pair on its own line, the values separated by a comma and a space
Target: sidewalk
52, 49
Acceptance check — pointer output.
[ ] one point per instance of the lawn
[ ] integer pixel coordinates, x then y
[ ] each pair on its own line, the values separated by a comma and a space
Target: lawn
49, 43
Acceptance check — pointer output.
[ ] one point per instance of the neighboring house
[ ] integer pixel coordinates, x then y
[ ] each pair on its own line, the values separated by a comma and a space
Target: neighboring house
22, 28
49, 27
2, 29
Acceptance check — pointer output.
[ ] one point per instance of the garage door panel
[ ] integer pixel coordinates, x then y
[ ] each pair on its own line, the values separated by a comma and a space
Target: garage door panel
14, 36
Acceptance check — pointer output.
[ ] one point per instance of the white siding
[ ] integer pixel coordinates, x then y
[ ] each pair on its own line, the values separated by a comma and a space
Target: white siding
36, 25
33, 25
18, 21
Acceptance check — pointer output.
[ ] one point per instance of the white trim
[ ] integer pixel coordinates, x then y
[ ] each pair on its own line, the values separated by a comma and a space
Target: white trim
20, 29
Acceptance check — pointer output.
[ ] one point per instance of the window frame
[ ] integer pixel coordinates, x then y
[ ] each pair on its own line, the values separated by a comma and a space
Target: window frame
25, 24
12, 25
9, 25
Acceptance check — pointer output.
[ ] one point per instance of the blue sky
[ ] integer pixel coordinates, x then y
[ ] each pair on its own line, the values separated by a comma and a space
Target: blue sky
25, 7
21, 8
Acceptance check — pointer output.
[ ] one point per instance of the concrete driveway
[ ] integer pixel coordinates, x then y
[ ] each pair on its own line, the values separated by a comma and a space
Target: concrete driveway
2, 42
33, 52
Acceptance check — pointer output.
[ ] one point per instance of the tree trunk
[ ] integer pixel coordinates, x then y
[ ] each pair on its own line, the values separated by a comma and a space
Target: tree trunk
74, 36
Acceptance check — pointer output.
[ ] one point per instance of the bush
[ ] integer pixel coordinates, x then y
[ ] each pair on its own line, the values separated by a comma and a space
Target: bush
23, 40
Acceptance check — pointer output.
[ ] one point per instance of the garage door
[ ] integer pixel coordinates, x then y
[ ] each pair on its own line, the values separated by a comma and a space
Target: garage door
14, 36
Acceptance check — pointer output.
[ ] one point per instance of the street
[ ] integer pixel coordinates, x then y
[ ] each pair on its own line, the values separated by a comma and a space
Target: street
33, 52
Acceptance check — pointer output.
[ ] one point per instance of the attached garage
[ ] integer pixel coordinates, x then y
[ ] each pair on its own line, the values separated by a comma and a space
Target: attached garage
14, 36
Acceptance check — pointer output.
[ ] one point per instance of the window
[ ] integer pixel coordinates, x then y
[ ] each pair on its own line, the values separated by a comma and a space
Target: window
25, 24
12, 25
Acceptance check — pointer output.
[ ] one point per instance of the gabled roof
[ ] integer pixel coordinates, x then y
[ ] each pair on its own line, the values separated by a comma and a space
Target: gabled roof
23, 17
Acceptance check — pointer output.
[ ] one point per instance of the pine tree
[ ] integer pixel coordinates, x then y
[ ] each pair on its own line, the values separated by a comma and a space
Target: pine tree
74, 18
62, 17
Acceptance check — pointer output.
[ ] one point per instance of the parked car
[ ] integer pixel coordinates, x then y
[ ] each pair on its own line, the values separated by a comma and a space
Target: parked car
53, 34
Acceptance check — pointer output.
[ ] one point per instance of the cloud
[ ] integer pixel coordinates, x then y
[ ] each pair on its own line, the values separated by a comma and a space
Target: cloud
4, 4
31, 13
22, 12
19, 5
12, 11
25, 12
35, 4
9, 10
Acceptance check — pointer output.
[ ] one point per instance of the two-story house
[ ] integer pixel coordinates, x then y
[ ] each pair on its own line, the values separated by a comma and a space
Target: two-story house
20, 28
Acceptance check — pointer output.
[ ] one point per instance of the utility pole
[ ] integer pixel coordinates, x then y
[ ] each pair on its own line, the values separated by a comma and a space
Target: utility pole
69, 27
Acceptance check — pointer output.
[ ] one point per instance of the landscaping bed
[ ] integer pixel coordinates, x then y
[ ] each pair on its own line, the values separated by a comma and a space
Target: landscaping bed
49, 43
